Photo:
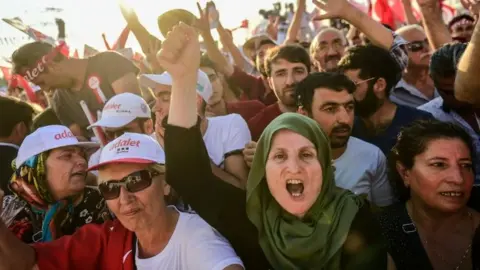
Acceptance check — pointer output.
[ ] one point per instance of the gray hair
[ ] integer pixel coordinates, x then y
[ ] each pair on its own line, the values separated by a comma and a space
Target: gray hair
315, 41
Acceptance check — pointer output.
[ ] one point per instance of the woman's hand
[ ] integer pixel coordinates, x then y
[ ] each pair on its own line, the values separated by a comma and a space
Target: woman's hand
180, 53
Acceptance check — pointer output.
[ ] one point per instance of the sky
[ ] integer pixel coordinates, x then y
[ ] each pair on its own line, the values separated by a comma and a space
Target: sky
86, 20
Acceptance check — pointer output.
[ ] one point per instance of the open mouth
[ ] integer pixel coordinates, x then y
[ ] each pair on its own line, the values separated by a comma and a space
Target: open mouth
452, 194
295, 187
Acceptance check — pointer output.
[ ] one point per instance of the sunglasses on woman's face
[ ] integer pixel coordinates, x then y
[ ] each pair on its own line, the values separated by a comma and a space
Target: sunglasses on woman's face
416, 46
133, 182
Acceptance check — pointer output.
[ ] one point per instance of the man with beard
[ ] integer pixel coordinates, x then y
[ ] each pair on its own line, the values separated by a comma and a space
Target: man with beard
375, 73
327, 49
285, 66
447, 108
327, 99
93, 80
416, 86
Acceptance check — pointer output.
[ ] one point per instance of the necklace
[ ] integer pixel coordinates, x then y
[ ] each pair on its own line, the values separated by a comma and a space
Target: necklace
426, 243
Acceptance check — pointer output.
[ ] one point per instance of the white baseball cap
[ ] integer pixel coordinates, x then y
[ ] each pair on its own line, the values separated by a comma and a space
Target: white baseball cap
122, 109
131, 148
48, 138
204, 87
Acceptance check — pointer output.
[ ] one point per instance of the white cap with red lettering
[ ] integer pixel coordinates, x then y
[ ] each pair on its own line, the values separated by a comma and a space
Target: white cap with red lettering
131, 148
122, 109
48, 138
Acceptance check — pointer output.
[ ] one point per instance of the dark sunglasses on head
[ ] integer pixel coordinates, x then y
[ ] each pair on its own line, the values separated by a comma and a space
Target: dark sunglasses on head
133, 182
416, 46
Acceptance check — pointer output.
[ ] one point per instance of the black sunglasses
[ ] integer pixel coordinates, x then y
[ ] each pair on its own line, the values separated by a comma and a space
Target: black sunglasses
133, 182
416, 46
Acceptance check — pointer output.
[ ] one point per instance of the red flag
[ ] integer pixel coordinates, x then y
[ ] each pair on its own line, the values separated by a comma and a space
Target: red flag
380, 11
122, 39
75, 54
7, 75
19, 81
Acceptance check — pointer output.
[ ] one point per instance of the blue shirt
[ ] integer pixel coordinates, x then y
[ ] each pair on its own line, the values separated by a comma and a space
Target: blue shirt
387, 139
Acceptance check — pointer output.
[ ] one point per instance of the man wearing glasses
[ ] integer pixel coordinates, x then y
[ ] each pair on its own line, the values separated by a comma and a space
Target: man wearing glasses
416, 87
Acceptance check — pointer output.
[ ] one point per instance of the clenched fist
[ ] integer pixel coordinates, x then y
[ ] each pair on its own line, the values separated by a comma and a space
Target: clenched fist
180, 53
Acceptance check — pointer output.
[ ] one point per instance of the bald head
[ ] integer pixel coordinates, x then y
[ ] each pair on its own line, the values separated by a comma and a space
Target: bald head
327, 49
412, 32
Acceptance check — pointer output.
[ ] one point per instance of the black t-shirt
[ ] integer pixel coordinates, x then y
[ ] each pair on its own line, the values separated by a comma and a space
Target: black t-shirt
104, 68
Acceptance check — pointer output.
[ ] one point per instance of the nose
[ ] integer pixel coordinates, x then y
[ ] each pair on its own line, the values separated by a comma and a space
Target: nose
342, 115
293, 165
290, 79
455, 175
125, 196
331, 51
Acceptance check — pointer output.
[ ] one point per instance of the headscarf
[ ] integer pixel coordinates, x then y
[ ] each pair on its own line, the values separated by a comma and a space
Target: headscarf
30, 184
288, 242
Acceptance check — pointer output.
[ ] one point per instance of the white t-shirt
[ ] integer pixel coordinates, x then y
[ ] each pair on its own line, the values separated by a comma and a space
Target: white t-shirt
194, 245
225, 135
362, 169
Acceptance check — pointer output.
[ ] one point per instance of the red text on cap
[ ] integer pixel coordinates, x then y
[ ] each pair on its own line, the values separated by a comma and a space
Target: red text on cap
128, 142
112, 106
64, 135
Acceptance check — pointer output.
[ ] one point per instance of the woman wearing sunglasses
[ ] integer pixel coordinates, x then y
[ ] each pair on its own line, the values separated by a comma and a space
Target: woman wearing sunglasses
49, 181
147, 233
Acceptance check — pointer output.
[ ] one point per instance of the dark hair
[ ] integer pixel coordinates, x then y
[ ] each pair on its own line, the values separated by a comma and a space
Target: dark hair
373, 62
292, 53
30, 54
206, 62
46, 118
333, 81
14, 111
459, 18
413, 141
444, 61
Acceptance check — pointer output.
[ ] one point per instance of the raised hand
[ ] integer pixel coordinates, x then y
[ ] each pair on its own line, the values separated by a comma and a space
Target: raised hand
128, 13
203, 23
472, 5
180, 53
332, 8
151, 52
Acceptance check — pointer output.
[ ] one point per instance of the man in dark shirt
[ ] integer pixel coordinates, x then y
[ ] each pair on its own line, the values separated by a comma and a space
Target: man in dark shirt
93, 80
375, 72
15, 121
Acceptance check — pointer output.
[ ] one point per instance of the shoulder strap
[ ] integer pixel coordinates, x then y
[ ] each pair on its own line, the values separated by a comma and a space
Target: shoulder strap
404, 244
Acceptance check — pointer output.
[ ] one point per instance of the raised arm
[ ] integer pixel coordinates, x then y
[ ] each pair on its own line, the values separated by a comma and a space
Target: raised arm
376, 32
14, 255
296, 22
408, 12
226, 39
188, 165
435, 28
467, 82
213, 51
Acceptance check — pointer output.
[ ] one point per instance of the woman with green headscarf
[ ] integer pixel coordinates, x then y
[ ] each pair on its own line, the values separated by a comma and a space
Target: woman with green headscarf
293, 216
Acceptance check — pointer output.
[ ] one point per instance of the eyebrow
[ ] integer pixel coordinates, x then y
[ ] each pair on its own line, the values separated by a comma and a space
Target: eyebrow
285, 149
333, 103
446, 159
162, 93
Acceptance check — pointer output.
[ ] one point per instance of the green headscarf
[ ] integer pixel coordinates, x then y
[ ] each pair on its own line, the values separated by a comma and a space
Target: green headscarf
288, 242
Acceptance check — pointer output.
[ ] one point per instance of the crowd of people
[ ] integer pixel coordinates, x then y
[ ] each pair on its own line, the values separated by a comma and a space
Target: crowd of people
353, 150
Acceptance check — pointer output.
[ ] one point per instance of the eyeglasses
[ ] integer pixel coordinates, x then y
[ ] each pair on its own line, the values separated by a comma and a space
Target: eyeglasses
364, 81
416, 46
133, 182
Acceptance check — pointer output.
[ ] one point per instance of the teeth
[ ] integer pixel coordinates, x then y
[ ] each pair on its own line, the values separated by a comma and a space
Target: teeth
296, 194
452, 194
293, 181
